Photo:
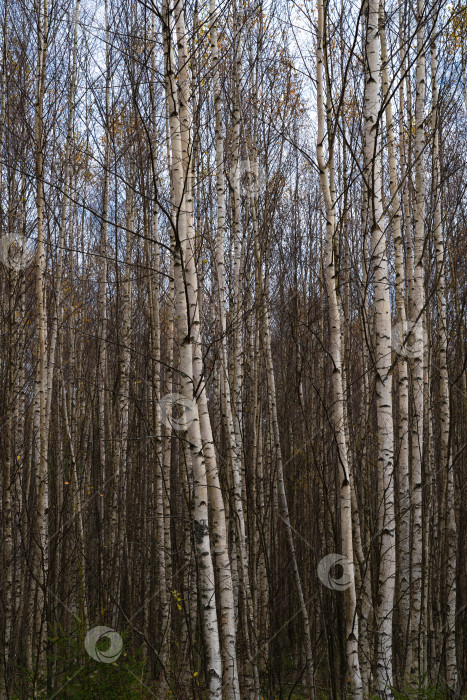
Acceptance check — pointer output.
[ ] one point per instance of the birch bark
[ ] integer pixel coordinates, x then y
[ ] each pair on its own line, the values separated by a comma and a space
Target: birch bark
338, 413
382, 328
418, 351
185, 304
403, 516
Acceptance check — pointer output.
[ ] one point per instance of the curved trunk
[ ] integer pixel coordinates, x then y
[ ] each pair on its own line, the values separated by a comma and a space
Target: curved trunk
338, 414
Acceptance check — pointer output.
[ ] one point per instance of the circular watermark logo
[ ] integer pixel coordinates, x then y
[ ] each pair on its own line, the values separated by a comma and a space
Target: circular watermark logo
251, 182
16, 251
96, 635
187, 408
403, 337
325, 566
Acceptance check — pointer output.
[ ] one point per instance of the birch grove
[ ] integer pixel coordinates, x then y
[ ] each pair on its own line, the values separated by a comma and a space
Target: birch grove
233, 349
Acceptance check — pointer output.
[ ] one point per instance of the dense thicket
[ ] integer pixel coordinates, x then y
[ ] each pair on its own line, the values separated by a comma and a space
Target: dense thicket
233, 349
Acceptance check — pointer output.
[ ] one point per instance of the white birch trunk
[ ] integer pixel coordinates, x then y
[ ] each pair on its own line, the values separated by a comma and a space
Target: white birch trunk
382, 327
185, 304
338, 413
403, 516
418, 303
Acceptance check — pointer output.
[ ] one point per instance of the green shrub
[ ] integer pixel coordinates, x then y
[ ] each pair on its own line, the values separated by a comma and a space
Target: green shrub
75, 675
